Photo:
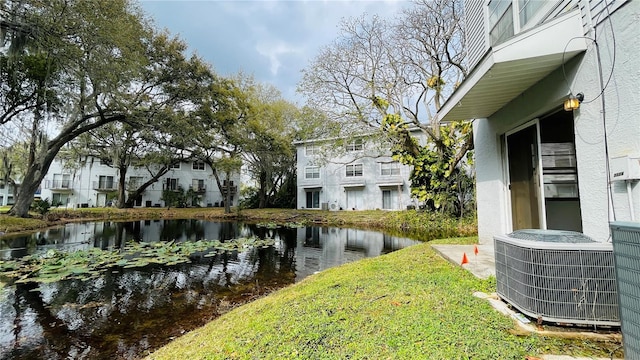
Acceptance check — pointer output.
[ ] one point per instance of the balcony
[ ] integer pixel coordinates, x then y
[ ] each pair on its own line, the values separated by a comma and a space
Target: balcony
134, 185
105, 186
508, 69
233, 189
59, 185
199, 189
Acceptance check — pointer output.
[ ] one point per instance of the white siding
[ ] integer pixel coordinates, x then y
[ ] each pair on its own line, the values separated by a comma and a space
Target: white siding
475, 31
619, 118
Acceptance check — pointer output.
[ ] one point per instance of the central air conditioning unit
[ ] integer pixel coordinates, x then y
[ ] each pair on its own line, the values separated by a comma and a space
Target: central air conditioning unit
558, 276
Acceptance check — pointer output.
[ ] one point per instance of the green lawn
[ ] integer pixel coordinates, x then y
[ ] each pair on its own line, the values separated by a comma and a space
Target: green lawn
9, 224
410, 304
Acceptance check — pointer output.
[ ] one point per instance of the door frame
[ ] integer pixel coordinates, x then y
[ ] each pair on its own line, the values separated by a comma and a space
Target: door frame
541, 208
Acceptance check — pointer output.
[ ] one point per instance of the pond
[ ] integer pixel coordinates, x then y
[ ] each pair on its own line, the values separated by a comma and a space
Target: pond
128, 312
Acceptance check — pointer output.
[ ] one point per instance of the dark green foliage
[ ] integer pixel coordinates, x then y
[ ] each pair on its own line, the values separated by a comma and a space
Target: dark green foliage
249, 198
284, 198
451, 192
442, 171
42, 206
176, 198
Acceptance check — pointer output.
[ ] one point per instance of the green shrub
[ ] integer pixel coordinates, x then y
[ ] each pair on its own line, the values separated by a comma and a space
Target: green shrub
42, 206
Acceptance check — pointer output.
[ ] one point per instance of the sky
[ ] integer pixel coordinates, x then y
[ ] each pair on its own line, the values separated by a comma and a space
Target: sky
273, 40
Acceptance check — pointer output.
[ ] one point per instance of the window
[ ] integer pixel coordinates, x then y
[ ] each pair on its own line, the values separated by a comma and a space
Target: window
135, 182
172, 184
61, 181
105, 182
355, 199
59, 199
198, 165
355, 145
354, 170
500, 21
387, 199
174, 166
312, 172
313, 199
387, 169
197, 185
528, 9
312, 149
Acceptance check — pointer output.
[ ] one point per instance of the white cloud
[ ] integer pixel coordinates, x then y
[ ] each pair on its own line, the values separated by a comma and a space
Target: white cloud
274, 52
271, 39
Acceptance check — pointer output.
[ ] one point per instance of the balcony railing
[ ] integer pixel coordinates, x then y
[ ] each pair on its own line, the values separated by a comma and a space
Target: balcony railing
59, 184
105, 186
134, 185
198, 188
233, 189
172, 187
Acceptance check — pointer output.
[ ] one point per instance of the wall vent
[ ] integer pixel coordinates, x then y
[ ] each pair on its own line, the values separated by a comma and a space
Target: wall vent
558, 276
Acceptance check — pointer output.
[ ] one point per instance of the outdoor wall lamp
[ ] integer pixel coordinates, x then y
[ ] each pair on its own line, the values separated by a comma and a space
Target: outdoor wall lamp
573, 102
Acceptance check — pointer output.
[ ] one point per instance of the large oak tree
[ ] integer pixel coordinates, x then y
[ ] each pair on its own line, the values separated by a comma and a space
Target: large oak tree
84, 64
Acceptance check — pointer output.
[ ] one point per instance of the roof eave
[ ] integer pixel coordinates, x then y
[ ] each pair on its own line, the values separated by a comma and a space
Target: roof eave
512, 67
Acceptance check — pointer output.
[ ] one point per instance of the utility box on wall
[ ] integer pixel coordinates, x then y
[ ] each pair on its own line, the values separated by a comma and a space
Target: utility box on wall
625, 168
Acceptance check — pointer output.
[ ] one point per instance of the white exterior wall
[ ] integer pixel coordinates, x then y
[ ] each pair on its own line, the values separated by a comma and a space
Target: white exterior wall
6, 194
83, 182
491, 202
334, 185
622, 117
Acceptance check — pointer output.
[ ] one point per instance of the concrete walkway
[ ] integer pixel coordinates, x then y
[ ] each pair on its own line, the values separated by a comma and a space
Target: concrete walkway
482, 264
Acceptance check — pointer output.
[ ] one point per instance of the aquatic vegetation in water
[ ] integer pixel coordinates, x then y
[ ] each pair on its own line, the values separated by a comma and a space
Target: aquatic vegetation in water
295, 225
272, 225
55, 265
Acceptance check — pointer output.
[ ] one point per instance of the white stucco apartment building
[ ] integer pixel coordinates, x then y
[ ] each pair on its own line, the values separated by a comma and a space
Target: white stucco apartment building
537, 164
357, 178
94, 183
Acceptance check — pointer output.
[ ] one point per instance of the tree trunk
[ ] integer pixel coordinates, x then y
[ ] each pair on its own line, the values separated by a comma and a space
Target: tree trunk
262, 196
37, 165
42, 159
30, 184
154, 178
227, 200
122, 184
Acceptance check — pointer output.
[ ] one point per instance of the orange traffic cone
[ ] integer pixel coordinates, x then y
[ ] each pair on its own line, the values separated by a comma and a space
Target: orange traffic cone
475, 249
464, 259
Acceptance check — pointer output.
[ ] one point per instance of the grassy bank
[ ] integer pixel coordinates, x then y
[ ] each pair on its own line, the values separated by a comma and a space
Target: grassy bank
410, 304
419, 225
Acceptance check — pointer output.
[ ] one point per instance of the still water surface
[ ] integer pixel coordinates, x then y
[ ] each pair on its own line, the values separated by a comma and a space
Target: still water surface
126, 313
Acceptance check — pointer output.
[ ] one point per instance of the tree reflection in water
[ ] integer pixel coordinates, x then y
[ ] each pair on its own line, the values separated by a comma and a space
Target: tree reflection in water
126, 313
